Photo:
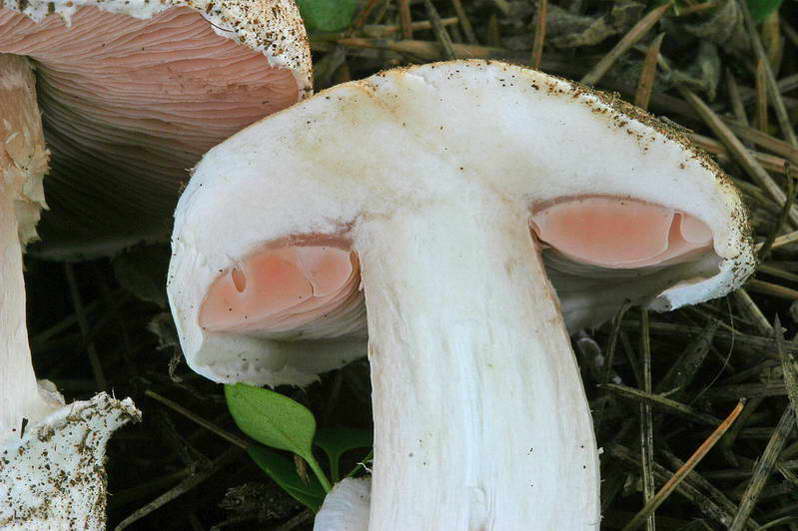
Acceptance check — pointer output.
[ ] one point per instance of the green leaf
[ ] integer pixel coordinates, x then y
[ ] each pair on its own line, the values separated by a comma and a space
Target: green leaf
327, 15
760, 9
271, 418
275, 420
284, 473
337, 441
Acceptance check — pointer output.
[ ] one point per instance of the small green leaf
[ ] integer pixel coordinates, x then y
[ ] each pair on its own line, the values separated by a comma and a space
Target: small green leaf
337, 441
271, 418
327, 15
275, 420
283, 472
760, 9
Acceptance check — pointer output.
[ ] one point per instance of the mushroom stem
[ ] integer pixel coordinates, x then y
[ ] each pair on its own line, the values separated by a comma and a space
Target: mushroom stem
19, 392
23, 162
481, 420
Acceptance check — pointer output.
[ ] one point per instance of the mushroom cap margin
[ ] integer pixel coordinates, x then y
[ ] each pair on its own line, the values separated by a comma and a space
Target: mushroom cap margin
272, 27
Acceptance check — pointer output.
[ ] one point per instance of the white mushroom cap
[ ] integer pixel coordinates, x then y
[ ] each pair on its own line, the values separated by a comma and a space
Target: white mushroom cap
370, 147
134, 91
53, 477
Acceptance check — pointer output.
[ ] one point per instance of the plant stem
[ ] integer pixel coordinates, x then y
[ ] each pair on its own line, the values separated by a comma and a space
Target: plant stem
314, 466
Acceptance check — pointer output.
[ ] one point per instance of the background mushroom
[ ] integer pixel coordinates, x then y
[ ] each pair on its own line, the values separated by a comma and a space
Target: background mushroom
480, 416
133, 92
127, 95
50, 453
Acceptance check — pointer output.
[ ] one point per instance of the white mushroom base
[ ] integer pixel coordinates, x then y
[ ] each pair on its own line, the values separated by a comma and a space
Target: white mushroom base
53, 478
346, 507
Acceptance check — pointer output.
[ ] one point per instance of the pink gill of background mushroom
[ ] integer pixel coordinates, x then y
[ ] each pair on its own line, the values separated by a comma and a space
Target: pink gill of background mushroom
133, 92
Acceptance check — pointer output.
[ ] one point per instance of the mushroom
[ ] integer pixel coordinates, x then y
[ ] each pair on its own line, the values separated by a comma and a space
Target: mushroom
133, 92
50, 453
451, 193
